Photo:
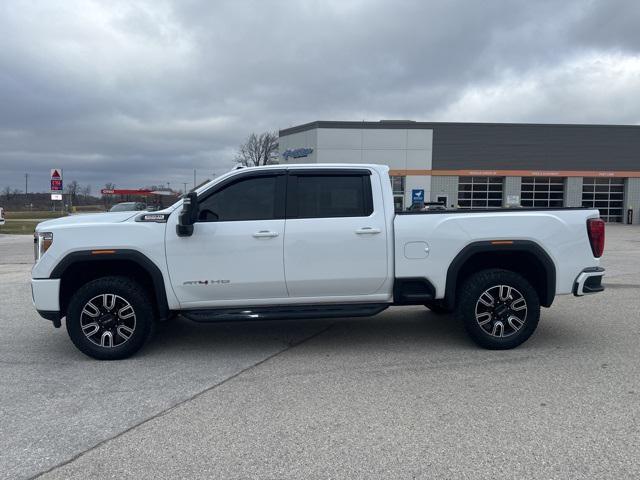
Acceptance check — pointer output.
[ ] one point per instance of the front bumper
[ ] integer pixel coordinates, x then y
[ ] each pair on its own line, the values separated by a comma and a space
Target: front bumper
589, 281
45, 294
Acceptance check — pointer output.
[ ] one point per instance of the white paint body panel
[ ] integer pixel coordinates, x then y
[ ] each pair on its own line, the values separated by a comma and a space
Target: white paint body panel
46, 294
562, 234
311, 261
334, 257
70, 234
227, 260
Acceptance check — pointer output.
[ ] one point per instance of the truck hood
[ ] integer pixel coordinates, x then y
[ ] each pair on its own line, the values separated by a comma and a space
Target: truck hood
87, 219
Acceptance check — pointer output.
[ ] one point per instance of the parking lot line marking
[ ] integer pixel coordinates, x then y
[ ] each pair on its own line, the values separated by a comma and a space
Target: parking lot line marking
182, 402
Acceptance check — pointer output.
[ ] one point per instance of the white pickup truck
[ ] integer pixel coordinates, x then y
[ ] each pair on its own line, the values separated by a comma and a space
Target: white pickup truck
307, 241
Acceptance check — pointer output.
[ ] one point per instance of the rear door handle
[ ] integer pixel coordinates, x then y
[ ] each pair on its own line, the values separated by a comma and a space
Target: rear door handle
265, 234
368, 231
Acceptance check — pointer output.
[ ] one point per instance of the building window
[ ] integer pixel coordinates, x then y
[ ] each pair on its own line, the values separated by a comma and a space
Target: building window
480, 192
398, 185
542, 192
605, 194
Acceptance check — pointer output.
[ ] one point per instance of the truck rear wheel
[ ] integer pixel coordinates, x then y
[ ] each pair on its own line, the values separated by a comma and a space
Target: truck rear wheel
499, 308
110, 318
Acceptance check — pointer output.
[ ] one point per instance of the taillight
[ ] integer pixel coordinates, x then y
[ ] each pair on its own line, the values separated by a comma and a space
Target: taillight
595, 229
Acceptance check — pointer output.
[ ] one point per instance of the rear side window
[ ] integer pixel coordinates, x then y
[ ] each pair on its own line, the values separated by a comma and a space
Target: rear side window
255, 198
318, 196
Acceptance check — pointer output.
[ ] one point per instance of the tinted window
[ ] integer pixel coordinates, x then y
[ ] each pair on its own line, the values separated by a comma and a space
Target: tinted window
250, 199
333, 196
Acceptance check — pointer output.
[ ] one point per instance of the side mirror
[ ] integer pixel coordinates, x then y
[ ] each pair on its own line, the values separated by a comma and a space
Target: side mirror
188, 215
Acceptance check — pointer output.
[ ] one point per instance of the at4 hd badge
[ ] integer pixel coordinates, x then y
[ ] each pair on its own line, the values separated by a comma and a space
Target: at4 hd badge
206, 282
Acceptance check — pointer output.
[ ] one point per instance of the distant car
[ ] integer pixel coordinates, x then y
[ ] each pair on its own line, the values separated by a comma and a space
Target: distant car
1, 216
423, 207
434, 206
128, 207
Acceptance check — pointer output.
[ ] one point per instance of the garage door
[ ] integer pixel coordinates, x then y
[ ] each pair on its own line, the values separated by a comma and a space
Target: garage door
542, 192
480, 192
605, 194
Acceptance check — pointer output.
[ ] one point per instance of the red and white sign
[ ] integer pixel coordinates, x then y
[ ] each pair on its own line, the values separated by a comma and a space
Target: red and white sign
56, 180
137, 191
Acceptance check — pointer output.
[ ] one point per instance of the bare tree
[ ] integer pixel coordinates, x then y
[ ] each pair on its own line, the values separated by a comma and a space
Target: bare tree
6, 191
73, 188
107, 199
259, 149
86, 191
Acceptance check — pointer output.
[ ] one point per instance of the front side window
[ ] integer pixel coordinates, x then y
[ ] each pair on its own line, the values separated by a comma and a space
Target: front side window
249, 199
319, 196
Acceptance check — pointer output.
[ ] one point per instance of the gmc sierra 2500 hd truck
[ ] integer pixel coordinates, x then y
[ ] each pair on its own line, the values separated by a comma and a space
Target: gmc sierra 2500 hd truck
307, 241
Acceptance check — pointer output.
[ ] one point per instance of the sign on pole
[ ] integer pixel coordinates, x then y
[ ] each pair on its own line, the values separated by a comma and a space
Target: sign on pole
56, 181
56, 196
417, 196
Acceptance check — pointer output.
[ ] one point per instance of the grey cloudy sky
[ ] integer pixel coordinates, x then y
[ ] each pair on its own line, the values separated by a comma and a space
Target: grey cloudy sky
142, 92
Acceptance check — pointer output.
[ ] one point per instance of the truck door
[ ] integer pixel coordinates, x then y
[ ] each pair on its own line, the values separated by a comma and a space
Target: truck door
235, 253
336, 240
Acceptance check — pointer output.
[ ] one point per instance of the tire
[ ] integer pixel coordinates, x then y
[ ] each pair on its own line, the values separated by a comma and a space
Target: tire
110, 318
512, 318
438, 308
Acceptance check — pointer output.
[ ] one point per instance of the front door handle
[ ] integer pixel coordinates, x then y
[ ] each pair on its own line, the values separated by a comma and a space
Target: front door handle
368, 231
265, 234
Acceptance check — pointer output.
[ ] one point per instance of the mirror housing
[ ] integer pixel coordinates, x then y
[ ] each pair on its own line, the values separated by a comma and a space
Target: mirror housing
188, 215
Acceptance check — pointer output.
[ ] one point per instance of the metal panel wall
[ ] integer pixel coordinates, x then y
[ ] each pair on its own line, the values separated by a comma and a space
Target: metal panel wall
486, 146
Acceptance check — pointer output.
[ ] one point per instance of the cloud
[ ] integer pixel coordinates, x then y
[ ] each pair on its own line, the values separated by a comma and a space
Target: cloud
138, 93
586, 89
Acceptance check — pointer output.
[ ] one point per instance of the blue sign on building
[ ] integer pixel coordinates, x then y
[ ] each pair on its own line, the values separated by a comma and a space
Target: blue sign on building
417, 196
297, 153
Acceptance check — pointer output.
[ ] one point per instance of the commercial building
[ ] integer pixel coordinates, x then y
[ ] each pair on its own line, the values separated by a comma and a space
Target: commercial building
480, 165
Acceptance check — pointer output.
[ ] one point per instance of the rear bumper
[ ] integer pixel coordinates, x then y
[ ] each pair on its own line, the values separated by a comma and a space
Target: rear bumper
589, 281
45, 294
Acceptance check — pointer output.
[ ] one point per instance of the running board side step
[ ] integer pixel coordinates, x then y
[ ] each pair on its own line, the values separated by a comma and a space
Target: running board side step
285, 312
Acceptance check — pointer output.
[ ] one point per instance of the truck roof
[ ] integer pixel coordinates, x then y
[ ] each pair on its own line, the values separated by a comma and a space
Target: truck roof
316, 165
382, 169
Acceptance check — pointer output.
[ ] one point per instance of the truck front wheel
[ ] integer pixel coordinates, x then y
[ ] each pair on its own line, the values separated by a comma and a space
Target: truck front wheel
499, 308
110, 318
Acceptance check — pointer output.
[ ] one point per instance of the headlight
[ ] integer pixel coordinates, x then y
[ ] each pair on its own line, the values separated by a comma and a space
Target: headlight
41, 243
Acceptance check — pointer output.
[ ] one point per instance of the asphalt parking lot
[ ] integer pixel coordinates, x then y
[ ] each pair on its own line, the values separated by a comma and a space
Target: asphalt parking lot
401, 395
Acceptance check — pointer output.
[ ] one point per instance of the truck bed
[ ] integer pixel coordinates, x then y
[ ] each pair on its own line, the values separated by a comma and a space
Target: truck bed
426, 243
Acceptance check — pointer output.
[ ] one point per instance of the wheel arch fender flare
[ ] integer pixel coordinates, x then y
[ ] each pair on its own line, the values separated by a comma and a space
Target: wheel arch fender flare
109, 255
527, 247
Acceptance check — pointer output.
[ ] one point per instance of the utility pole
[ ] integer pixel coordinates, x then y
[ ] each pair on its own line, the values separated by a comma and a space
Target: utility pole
194, 178
185, 187
26, 184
